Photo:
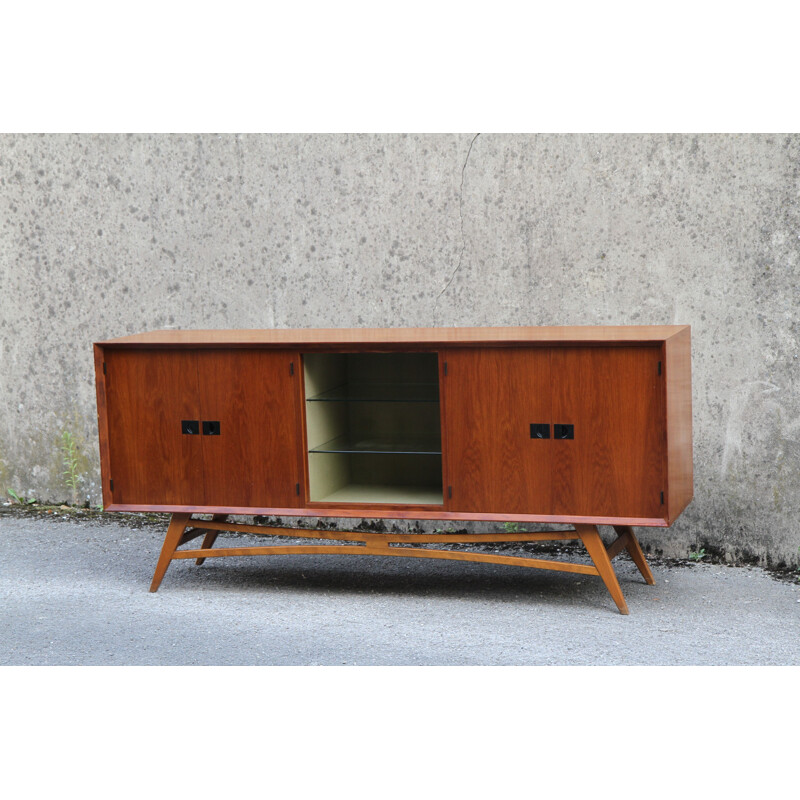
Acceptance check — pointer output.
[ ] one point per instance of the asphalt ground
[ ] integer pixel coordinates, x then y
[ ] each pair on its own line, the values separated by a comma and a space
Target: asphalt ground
74, 591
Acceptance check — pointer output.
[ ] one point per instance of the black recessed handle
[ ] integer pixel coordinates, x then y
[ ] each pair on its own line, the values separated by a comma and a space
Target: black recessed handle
563, 431
210, 428
539, 431
191, 427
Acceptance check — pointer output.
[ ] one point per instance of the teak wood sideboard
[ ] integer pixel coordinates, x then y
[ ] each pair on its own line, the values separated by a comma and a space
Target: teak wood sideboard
581, 425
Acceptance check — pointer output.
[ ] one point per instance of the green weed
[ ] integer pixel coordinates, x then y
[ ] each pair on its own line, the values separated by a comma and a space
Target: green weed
69, 456
29, 501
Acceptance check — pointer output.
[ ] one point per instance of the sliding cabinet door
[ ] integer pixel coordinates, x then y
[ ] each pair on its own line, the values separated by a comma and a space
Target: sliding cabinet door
613, 399
153, 407
495, 463
251, 438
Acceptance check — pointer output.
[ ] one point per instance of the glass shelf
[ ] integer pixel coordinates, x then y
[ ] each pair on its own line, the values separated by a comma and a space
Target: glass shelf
346, 444
373, 427
380, 393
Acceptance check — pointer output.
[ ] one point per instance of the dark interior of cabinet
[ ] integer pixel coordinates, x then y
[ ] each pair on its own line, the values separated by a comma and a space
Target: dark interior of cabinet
373, 428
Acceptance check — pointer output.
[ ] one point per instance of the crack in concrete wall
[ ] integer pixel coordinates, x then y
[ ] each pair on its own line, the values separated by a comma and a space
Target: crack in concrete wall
461, 223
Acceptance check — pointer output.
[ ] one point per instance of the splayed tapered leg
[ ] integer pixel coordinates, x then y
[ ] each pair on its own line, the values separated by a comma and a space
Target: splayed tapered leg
177, 525
599, 555
211, 536
635, 551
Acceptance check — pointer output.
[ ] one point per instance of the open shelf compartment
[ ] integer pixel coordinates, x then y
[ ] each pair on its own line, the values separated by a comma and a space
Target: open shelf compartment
373, 428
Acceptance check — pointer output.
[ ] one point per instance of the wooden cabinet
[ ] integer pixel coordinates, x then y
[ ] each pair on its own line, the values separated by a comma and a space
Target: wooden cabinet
151, 392
252, 459
600, 410
580, 425
492, 397
200, 428
615, 465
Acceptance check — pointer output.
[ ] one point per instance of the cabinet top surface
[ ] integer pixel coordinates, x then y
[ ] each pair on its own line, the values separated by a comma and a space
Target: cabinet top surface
602, 334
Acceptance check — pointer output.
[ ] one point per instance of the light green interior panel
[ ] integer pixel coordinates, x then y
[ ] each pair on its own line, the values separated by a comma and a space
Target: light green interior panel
373, 427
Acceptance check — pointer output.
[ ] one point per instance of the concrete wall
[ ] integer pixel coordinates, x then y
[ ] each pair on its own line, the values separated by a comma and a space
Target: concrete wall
108, 235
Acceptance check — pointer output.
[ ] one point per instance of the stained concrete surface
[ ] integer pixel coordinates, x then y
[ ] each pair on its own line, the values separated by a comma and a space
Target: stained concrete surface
105, 235
75, 592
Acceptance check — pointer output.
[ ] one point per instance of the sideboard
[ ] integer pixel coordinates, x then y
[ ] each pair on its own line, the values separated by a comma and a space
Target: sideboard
580, 425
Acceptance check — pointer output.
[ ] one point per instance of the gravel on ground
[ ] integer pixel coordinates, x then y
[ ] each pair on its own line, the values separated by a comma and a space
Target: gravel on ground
74, 591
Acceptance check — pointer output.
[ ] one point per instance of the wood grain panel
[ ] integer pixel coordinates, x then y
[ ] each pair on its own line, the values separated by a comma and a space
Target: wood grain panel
679, 422
333, 338
102, 423
615, 464
253, 395
148, 393
607, 477
491, 397
397, 512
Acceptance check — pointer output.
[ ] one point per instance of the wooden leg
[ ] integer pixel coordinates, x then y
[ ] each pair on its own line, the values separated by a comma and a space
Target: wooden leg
211, 536
177, 525
597, 552
635, 550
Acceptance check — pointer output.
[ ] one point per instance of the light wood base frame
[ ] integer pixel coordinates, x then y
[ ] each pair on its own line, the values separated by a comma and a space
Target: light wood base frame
179, 533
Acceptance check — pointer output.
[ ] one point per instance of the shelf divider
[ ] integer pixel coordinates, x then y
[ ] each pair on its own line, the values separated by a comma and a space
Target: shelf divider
344, 444
379, 393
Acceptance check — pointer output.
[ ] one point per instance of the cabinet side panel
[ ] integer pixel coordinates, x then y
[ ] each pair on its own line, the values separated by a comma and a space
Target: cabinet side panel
102, 422
679, 422
253, 395
491, 397
148, 395
614, 465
